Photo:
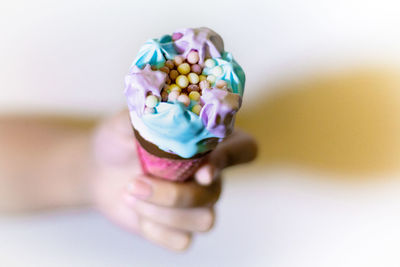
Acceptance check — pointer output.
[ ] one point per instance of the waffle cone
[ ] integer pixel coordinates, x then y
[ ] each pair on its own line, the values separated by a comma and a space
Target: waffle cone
165, 165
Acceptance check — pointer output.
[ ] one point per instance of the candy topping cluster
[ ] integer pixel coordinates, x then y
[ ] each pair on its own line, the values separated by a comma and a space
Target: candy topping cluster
186, 84
185, 81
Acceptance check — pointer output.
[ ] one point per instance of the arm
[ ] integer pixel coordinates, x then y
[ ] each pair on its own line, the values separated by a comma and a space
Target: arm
44, 162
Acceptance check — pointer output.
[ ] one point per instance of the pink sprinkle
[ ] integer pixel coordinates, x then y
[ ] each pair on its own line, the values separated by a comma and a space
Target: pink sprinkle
196, 68
193, 57
173, 96
204, 84
184, 99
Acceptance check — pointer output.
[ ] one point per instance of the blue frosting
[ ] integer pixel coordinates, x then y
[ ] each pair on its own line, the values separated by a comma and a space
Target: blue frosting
154, 52
175, 129
232, 73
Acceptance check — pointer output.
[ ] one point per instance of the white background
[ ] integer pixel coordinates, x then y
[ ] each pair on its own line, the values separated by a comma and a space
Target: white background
71, 56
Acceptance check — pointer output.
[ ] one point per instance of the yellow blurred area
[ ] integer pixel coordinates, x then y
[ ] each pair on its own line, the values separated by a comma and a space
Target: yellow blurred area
346, 121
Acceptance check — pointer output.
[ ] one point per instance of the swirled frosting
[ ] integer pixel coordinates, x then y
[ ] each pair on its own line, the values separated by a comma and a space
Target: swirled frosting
232, 72
219, 111
171, 125
207, 42
155, 51
139, 83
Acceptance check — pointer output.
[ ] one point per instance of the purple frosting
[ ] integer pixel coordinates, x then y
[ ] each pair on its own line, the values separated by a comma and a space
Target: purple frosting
218, 113
140, 83
207, 42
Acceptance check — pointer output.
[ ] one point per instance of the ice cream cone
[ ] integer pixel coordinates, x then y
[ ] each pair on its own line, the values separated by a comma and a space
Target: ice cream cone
183, 92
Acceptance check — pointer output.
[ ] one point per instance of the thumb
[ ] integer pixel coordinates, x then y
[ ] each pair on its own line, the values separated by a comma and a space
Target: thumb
236, 149
206, 174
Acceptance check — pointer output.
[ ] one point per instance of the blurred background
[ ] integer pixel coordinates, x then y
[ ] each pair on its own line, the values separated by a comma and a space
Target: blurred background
322, 98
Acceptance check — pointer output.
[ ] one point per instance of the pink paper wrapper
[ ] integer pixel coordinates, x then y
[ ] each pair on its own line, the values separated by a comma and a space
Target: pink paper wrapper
166, 168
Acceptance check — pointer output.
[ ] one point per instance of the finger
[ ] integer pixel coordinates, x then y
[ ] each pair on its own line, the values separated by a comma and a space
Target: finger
206, 174
167, 237
192, 220
236, 149
171, 194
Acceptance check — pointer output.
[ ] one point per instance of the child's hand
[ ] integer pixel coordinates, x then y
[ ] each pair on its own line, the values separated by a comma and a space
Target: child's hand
167, 213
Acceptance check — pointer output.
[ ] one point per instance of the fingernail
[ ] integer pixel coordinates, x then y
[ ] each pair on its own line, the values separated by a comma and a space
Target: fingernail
205, 174
140, 188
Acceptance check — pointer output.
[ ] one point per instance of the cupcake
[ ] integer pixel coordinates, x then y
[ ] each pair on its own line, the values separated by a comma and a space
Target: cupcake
183, 92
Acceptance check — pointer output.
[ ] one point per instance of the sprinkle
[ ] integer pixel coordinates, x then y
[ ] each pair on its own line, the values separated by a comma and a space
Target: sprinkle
211, 78
196, 68
148, 110
221, 84
164, 69
184, 68
196, 109
182, 81
179, 60
173, 74
164, 95
151, 101
193, 78
183, 98
209, 63
202, 78
176, 36
174, 87
173, 96
217, 71
194, 95
193, 57
205, 84
193, 87
170, 64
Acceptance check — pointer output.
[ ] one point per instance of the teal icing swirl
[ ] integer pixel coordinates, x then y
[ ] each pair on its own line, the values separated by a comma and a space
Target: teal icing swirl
155, 52
174, 129
232, 73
